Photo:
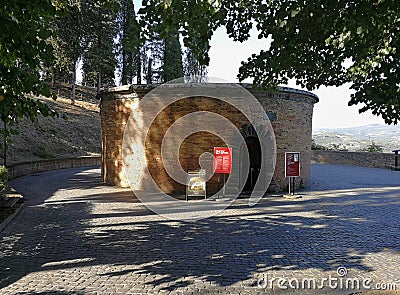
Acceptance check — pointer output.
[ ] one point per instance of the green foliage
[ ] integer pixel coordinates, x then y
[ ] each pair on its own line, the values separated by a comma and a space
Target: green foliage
99, 61
331, 43
24, 49
153, 57
130, 44
70, 42
374, 148
315, 42
195, 20
337, 148
86, 32
3, 178
149, 72
194, 71
317, 147
172, 67
44, 153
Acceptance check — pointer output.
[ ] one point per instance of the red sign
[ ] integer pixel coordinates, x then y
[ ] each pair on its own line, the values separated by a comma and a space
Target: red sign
292, 164
222, 160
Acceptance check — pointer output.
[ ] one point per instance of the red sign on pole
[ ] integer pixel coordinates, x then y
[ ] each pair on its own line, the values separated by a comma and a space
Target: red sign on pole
292, 164
222, 160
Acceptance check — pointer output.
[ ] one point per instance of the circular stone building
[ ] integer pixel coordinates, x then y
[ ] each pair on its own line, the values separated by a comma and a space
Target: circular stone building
289, 111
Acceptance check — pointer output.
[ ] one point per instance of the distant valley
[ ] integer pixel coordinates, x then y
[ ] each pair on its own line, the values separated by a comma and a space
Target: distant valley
358, 138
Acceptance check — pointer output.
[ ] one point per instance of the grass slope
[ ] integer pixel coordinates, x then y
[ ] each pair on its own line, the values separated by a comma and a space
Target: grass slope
79, 135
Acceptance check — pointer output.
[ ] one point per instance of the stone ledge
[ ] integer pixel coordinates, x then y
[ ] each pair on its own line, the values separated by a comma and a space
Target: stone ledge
363, 159
139, 90
10, 198
33, 167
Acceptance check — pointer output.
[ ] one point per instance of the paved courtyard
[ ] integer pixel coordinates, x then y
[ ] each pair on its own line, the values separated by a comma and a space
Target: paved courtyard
78, 236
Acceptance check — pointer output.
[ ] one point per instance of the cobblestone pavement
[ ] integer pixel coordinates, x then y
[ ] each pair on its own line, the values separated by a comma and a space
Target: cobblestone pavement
78, 236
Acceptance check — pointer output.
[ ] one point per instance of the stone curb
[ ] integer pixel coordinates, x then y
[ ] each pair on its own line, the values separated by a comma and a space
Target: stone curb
10, 218
20, 169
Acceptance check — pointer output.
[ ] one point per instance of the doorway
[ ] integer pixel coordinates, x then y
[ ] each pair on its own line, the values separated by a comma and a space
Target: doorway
254, 148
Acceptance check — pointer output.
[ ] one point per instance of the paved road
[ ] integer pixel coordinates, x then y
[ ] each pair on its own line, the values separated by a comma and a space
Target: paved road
77, 236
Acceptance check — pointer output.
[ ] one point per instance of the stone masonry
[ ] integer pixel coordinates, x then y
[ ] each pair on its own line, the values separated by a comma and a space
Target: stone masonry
364, 159
289, 110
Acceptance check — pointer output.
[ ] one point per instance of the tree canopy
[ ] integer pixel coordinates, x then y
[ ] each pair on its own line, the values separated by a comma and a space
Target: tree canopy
129, 44
193, 70
172, 67
24, 48
318, 42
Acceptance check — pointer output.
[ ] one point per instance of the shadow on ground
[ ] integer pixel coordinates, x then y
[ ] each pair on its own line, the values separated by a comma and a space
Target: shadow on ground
338, 230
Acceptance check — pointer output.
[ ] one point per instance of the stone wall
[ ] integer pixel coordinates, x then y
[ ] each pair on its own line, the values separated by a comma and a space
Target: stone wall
33, 167
365, 159
292, 127
290, 112
193, 146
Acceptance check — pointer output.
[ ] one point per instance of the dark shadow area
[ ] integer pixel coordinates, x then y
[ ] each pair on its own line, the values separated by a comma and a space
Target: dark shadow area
254, 148
223, 250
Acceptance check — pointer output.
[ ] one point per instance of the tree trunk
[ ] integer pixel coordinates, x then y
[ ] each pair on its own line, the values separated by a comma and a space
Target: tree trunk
53, 77
139, 70
5, 145
124, 78
149, 74
73, 92
99, 81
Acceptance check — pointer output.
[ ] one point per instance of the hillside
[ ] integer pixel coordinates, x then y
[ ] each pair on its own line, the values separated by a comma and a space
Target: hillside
79, 135
359, 138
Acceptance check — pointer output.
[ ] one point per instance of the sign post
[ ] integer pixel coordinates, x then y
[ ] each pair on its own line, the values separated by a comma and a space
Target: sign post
292, 168
396, 160
222, 162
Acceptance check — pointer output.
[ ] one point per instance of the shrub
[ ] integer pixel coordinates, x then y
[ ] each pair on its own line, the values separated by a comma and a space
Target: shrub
317, 147
3, 178
374, 148
43, 153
